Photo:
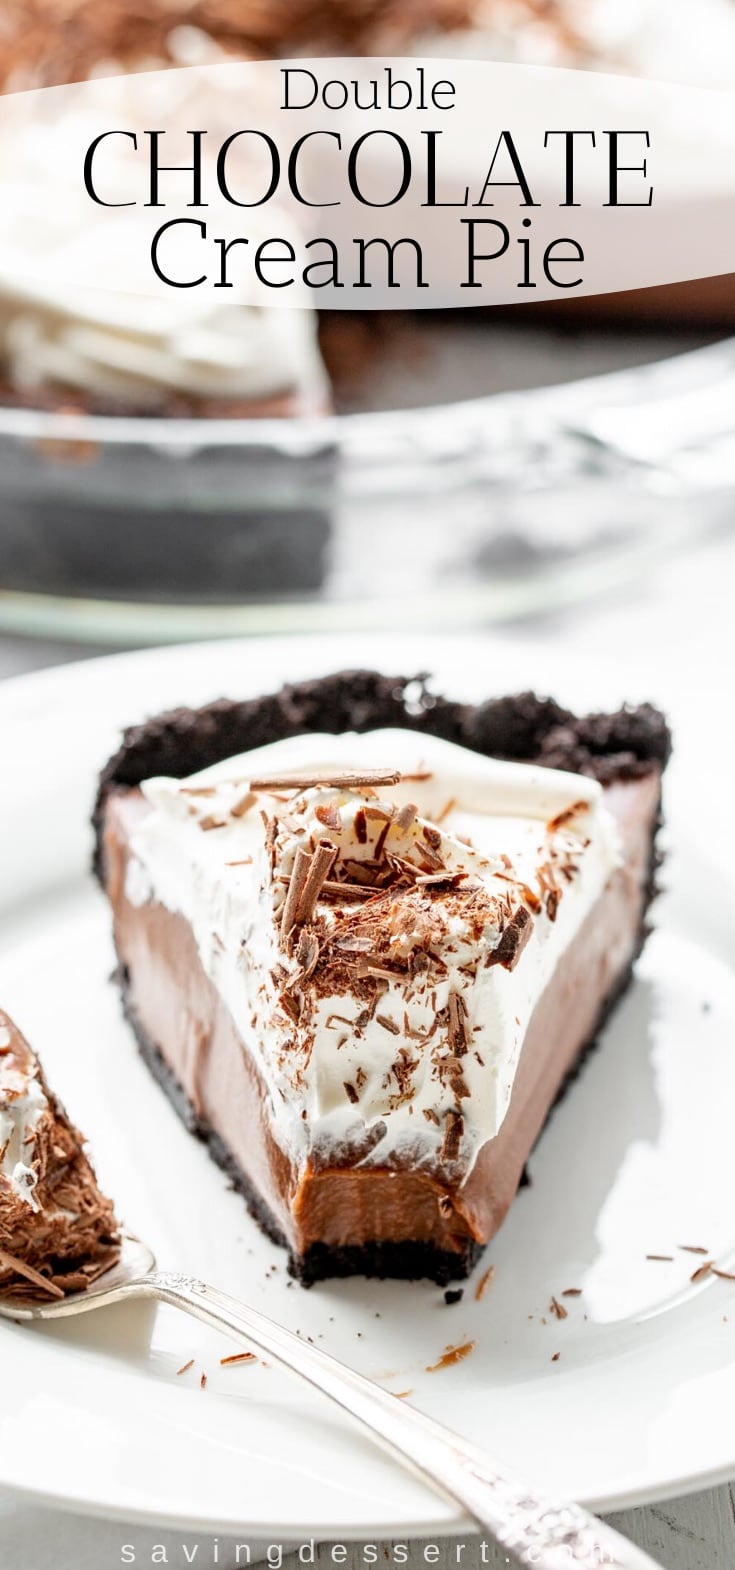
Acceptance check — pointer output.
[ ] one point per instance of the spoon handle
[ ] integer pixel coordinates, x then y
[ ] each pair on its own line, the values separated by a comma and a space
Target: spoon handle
537, 1532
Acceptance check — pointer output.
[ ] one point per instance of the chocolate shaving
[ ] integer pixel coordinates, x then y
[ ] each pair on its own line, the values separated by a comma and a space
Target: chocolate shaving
703, 1270
484, 1283
450, 1356
388, 1024
557, 1309
453, 1130
360, 822
330, 816
380, 841
307, 954
528, 894
566, 816
362, 872
291, 1007
452, 1073
10, 1262
379, 972
351, 1093
354, 943
211, 821
513, 940
457, 1023
346, 779
271, 832
243, 805
431, 861
359, 891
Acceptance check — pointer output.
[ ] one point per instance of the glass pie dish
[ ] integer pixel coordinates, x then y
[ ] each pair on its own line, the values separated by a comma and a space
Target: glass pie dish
463, 510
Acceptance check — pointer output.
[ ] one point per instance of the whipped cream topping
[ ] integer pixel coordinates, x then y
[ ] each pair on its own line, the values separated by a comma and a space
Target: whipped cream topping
381, 947
22, 1105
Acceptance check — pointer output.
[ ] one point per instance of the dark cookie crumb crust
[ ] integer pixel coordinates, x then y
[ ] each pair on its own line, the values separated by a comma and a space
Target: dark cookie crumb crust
524, 727
607, 747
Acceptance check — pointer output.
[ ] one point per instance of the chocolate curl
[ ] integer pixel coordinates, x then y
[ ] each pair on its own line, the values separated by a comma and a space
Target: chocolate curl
321, 865
346, 780
297, 883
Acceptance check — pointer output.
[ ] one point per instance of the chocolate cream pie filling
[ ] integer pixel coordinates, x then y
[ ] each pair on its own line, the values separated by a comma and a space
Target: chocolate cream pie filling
364, 965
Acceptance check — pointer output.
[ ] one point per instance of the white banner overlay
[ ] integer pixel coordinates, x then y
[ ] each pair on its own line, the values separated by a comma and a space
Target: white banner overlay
358, 184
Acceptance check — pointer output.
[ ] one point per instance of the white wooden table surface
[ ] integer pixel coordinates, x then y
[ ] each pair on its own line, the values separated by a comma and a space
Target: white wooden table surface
680, 626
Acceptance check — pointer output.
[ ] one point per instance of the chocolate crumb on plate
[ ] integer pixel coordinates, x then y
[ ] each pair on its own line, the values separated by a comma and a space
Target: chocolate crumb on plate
451, 1355
703, 1270
484, 1283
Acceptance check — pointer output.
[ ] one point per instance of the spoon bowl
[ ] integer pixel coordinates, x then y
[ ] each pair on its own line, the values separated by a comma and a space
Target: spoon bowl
135, 1262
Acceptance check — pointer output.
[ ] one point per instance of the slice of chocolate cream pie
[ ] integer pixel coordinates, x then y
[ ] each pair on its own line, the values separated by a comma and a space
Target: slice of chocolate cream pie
365, 935
57, 1231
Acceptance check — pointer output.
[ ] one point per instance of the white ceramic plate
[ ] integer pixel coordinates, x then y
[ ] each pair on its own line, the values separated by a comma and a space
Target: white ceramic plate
638, 1160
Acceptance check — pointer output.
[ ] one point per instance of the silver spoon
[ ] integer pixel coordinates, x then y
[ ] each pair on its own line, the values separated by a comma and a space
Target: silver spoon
539, 1532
